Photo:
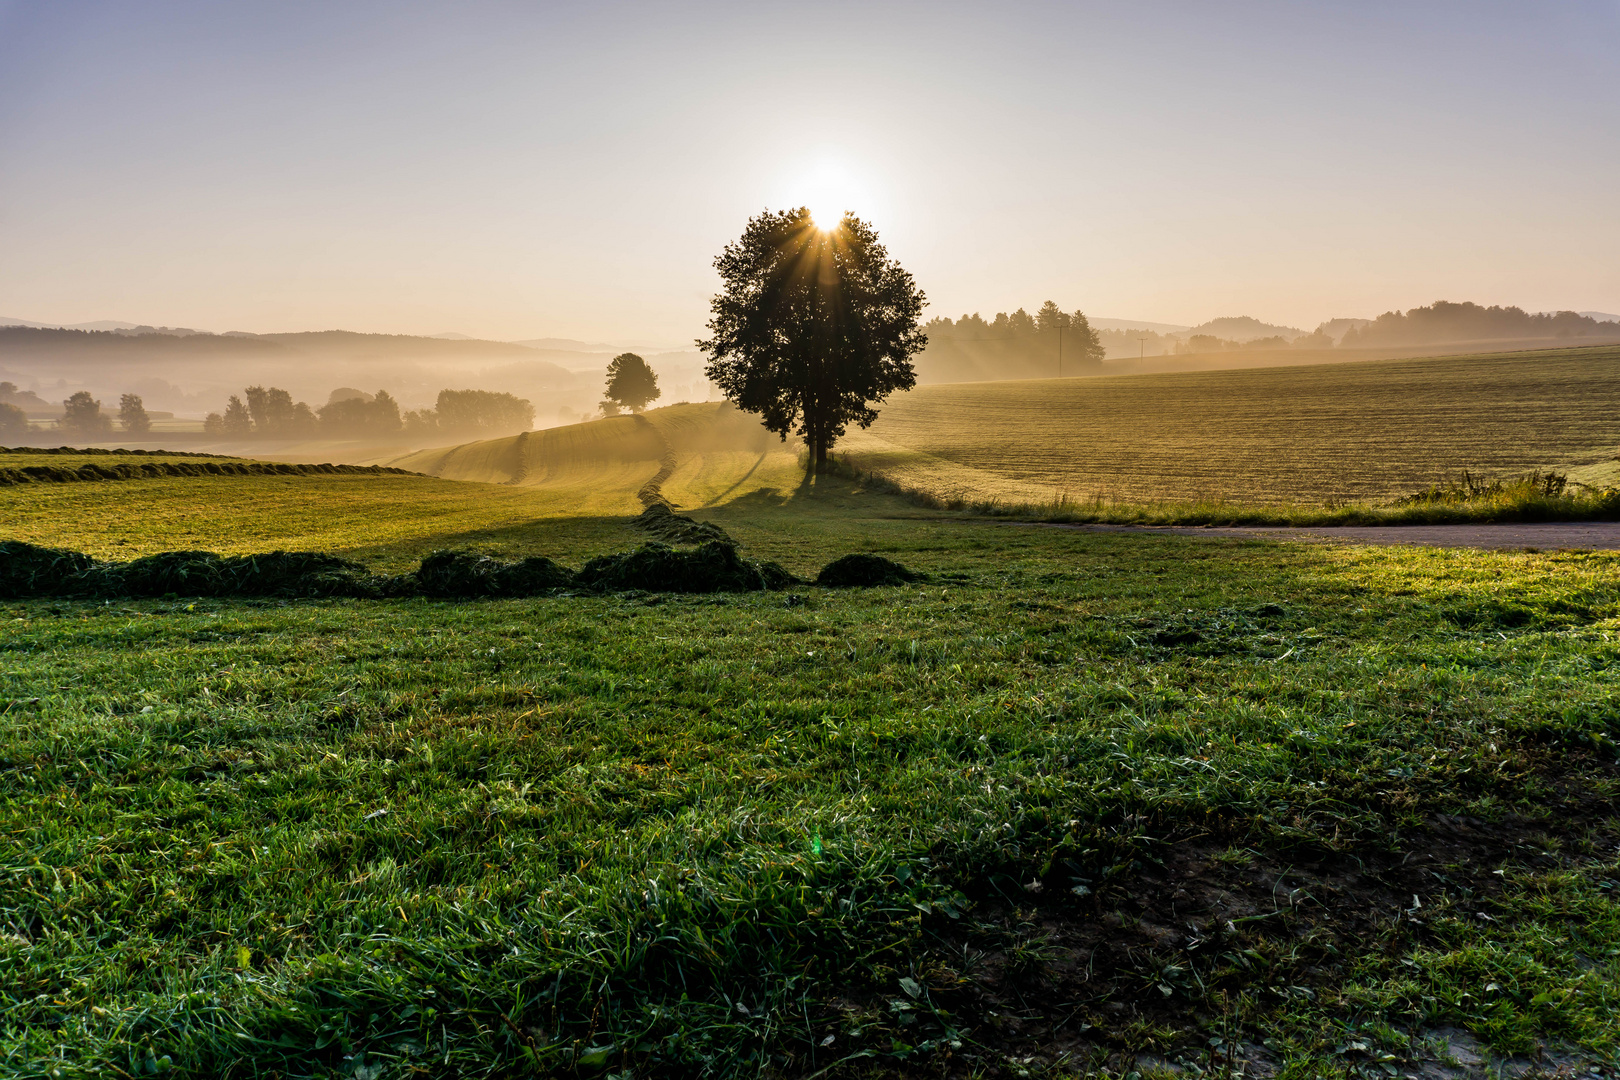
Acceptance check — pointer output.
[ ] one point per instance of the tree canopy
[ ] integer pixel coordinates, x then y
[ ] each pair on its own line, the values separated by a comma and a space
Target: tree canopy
631, 384
812, 325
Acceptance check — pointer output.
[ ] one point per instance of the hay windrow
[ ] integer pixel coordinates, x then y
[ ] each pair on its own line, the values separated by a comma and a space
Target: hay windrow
153, 470
672, 528
29, 570
97, 451
865, 571
456, 574
711, 567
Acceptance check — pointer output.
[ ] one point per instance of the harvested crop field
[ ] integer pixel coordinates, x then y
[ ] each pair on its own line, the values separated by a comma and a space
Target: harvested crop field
1336, 432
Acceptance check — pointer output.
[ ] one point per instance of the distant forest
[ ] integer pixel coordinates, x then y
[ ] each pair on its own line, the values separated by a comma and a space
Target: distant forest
1444, 321
271, 413
1011, 346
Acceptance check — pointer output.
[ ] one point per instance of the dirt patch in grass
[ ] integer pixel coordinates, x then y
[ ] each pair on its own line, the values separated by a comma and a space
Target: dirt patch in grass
1186, 962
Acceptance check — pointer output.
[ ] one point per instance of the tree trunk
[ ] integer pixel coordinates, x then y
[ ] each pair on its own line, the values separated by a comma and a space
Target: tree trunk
821, 454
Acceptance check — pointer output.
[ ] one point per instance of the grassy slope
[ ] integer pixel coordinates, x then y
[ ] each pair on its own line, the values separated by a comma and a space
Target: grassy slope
1361, 431
485, 837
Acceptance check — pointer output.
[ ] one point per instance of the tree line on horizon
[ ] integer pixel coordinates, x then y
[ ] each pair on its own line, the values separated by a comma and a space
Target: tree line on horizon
1041, 330
1012, 345
271, 412
1445, 321
81, 416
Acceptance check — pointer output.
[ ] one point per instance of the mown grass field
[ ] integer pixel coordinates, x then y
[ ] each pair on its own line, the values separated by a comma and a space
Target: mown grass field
387, 522
1075, 805
1366, 431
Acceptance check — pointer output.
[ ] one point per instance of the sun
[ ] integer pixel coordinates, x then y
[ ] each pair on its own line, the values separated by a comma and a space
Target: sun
825, 215
829, 189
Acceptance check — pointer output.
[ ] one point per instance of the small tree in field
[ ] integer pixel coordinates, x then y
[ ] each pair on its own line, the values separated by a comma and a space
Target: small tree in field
13, 423
631, 384
132, 415
812, 326
82, 417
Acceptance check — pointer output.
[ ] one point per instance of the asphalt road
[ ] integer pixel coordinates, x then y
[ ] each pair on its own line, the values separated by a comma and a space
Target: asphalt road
1544, 536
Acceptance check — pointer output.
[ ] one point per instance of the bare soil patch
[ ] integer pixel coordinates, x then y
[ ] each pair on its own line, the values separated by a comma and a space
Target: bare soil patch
1129, 974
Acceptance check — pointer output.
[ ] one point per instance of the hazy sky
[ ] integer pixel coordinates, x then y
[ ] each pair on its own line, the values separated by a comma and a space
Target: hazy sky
513, 169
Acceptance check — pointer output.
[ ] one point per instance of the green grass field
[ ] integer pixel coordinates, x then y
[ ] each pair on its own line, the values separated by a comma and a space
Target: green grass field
1364, 432
1078, 804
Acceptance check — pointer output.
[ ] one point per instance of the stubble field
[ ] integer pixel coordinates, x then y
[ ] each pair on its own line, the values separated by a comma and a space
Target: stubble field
1366, 431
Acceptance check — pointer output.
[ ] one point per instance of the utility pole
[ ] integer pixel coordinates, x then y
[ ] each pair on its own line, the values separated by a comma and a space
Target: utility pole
1140, 348
1060, 351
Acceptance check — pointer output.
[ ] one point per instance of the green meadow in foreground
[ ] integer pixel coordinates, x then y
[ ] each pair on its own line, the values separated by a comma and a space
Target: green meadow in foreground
1077, 805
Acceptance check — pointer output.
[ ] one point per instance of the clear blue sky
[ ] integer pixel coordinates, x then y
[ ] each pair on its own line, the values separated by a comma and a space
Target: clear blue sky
516, 169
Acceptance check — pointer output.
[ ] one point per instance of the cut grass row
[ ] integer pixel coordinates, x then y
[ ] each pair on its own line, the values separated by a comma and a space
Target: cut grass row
719, 837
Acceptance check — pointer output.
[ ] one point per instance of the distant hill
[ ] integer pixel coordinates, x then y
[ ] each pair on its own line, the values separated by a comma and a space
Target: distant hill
1600, 316
1244, 328
35, 342
562, 344
100, 324
194, 373
1139, 324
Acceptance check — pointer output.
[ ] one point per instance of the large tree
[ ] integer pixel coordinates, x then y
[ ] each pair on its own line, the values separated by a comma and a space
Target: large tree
631, 384
813, 326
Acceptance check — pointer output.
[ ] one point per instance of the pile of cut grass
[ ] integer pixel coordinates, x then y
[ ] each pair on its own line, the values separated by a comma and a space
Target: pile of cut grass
153, 470
30, 571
